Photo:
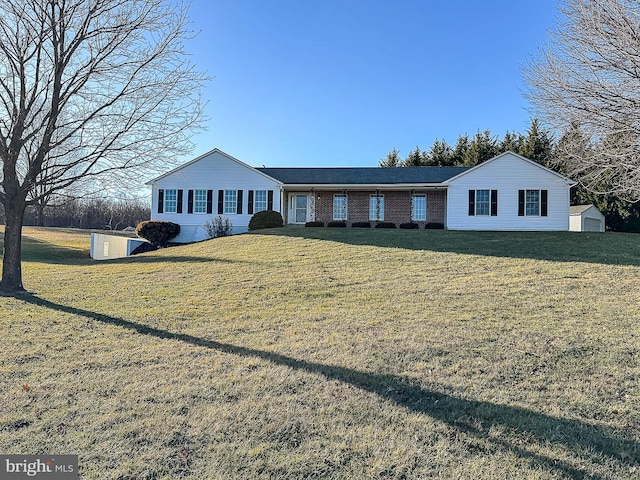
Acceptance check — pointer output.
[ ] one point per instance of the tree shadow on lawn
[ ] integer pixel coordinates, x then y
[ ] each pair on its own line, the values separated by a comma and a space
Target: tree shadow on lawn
590, 443
602, 248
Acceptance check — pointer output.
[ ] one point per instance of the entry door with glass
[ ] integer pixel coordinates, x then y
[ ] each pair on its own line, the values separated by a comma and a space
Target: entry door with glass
298, 207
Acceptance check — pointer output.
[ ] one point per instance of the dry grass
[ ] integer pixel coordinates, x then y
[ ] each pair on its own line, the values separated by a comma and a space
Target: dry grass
329, 353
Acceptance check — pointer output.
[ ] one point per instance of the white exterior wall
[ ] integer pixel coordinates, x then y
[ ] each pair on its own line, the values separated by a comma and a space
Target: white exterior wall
213, 171
579, 222
105, 247
507, 174
575, 223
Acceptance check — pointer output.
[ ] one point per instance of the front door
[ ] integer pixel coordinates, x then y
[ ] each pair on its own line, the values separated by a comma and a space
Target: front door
298, 208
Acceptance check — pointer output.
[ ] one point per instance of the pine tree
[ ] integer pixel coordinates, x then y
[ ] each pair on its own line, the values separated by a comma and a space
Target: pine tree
391, 160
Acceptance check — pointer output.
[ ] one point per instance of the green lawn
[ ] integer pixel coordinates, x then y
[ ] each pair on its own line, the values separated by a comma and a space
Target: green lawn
329, 353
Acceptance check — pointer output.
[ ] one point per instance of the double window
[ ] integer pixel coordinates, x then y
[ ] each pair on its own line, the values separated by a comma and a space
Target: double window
533, 203
339, 207
483, 202
419, 207
376, 207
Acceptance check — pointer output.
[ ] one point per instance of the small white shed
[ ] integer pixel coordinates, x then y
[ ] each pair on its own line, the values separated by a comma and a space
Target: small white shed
586, 218
105, 247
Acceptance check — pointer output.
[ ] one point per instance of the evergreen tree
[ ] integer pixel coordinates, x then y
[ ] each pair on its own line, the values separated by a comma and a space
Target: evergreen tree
482, 148
440, 154
538, 145
414, 159
460, 150
391, 160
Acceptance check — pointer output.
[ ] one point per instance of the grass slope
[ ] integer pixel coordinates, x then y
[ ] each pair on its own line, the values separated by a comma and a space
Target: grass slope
329, 353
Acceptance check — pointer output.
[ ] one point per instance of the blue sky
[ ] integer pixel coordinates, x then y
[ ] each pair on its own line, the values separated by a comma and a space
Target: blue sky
341, 83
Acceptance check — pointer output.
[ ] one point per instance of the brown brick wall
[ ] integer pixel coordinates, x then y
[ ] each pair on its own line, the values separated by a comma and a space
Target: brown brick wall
397, 206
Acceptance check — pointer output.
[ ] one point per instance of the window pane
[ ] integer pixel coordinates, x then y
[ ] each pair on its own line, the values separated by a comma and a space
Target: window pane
482, 202
339, 207
170, 201
200, 201
230, 199
419, 207
532, 202
260, 201
376, 207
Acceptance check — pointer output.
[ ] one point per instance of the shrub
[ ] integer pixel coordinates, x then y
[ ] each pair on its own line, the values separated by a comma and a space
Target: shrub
218, 227
361, 224
409, 225
386, 225
157, 232
434, 226
316, 223
337, 223
266, 219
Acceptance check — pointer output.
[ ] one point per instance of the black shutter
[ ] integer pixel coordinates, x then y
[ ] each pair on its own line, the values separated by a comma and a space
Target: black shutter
209, 201
250, 203
160, 201
239, 205
494, 203
190, 201
220, 202
472, 202
179, 206
270, 200
544, 196
521, 203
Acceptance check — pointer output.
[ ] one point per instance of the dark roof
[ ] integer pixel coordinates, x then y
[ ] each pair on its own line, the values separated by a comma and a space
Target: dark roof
362, 175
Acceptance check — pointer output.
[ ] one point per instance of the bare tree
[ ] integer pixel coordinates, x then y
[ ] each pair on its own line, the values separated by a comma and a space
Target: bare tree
91, 92
586, 82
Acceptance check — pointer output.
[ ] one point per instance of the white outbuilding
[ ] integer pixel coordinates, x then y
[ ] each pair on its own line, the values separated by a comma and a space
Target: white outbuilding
586, 218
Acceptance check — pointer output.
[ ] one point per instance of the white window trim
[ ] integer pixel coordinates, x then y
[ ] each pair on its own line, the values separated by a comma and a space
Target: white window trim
379, 208
233, 211
539, 202
256, 202
488, 203
345, 207
195, 212
166, 201
413, 207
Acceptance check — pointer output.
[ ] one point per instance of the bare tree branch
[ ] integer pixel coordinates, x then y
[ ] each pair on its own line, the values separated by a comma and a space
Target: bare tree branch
588, 77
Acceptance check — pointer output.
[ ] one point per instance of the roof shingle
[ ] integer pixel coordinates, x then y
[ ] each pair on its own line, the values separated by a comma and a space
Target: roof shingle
362, 175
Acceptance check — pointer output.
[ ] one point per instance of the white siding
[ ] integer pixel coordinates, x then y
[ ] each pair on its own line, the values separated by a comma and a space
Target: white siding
105, 247
588, 220
507, 174
214, 171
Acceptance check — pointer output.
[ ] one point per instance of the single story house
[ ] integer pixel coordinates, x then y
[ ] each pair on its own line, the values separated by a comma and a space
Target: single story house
507, 192
586, 218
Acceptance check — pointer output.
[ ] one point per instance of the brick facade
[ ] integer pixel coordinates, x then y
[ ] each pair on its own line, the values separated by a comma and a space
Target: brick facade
397, 206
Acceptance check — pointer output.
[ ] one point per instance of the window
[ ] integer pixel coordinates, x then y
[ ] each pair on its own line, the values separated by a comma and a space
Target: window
199, 201
376, 207
419, 207
170, 201
482, 202
260, 201
230, 201
339, 207
533, 203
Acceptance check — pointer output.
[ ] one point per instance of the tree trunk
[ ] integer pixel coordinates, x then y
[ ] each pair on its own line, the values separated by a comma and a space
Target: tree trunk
12, 259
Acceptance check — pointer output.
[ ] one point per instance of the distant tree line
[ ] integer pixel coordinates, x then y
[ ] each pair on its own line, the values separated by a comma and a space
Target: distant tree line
536, 144
88, 213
